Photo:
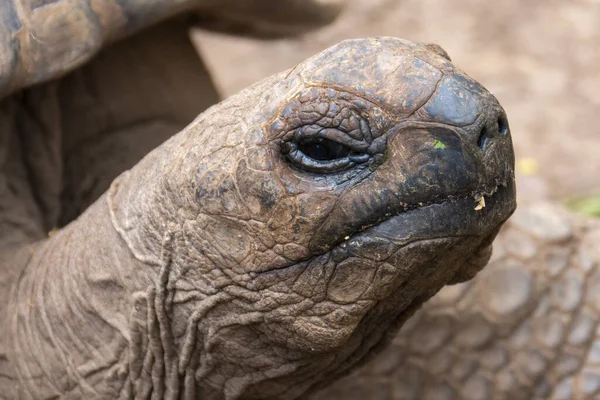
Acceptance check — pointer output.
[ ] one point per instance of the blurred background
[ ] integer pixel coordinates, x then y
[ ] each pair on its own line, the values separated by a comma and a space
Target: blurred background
541, 58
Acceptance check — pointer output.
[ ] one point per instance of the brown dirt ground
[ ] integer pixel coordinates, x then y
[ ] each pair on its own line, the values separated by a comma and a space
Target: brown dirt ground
541, 58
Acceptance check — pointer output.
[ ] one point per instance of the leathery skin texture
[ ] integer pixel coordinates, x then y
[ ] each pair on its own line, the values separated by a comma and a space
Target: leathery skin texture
275, 242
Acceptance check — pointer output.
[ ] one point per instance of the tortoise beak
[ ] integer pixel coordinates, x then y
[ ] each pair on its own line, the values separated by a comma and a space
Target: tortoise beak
451, 218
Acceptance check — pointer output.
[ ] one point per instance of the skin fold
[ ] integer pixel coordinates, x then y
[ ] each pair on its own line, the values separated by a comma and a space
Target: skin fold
269, 247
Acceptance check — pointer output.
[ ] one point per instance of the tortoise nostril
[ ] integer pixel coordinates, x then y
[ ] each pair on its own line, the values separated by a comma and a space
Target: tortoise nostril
483, 137
486, 133
502, 125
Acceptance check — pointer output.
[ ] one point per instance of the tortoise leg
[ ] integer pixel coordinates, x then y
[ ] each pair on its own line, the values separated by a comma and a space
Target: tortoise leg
127, 101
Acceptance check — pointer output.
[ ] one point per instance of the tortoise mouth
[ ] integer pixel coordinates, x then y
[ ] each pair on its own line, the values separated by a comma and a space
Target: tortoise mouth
452, 217
423, 235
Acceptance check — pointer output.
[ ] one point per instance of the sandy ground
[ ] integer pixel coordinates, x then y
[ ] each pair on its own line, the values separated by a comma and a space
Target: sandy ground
541, 58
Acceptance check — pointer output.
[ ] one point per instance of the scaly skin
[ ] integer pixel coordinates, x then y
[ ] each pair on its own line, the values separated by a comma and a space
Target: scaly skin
525, 328
240, 259
44, 39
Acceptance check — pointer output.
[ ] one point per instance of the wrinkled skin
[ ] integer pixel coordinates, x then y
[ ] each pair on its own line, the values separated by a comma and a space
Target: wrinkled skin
264, 250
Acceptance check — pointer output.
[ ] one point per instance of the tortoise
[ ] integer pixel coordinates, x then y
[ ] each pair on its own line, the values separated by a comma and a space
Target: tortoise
266, 249
526, 327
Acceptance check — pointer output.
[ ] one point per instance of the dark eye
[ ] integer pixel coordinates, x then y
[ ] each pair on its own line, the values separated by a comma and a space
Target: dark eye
324, 150
323, 155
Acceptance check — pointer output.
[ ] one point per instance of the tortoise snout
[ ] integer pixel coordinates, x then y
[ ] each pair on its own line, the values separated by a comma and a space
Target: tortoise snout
460, 102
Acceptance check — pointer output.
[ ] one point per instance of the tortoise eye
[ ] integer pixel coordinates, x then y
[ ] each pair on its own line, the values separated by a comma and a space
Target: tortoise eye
324, 149
323, 155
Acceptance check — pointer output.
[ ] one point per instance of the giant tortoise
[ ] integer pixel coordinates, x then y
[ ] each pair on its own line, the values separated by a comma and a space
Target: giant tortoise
266, 249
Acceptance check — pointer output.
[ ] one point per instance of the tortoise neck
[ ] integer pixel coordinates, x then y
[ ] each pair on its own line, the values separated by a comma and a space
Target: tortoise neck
69, 310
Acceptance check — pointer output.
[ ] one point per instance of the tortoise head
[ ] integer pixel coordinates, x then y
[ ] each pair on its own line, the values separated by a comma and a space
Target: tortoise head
330, 201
